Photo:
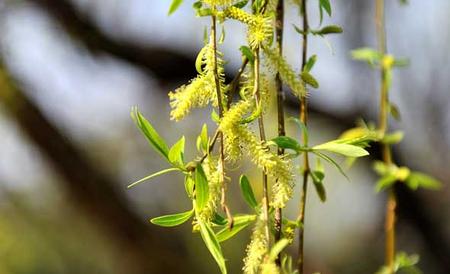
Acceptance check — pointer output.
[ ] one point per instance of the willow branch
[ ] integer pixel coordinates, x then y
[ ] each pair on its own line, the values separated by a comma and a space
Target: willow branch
306, 168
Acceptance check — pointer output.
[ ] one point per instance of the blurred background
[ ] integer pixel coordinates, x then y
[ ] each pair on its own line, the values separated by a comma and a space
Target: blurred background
72, 69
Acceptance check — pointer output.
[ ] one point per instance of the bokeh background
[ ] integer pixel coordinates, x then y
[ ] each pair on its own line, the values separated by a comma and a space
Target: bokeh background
68, 147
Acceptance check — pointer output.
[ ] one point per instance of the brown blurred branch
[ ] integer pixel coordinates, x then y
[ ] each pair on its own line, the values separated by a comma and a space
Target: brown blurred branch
90, 189
161, 62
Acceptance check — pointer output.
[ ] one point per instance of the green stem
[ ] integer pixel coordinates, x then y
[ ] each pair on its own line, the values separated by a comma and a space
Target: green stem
306, 168
391, 203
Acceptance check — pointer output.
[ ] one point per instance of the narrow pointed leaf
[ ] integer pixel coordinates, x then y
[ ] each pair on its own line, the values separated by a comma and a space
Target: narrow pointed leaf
247, 191
152, 176
287, 142
309, 79
201, 188
173, 219
211, 242
174, 6
385, 182
325, 4
240, 222
343, 149
176, 153
150, 133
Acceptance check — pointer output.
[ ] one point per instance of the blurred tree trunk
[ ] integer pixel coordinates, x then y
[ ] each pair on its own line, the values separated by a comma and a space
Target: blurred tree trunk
143, 249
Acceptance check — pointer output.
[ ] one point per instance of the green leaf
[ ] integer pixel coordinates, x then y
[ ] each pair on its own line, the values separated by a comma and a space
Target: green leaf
309, 79
174, 6
247, 52
199, 60
303, 128
299, 30
385, 182
164, 171
176, 153
395, 112
202, 140
218, 219
343, 149
317, 176
201, 188
331, 161
189, 185
392, 138
418, 179
172, 220
381, 168
240, 222
310, 63
213, 245
277, 248
325, 4
247, 191
222, 36
287, 142
241, 4
366, 54
150, 133
331, 29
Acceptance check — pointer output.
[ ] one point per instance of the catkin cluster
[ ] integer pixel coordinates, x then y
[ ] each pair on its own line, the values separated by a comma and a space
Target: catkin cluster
260, 27
287, 74
201, 90
257, 248
210, 167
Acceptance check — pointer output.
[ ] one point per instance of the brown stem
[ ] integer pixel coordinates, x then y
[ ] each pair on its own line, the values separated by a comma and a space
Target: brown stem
391, 203
220, 134
279, 24
306, 168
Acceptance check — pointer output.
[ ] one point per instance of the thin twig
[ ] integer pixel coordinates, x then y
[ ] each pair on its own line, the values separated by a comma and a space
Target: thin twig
262, 135
279, 24
306, 168
220, 134
391, 203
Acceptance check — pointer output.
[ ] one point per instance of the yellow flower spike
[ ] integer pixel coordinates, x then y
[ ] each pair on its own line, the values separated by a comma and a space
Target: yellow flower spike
201, 90
257, 249
288, 75
213, 3
210, 167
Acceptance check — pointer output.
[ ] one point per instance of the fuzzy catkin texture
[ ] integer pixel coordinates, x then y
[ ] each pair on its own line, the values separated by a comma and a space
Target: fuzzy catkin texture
277, 168
231, 119
201, 90
269, 268
210, 167
287, 74
257, 248
213, 3
260, 27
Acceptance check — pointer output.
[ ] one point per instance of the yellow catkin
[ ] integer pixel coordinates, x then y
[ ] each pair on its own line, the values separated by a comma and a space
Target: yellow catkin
277, 168
231, 119
287, 74
219, 2
210, 167
257, 249
260, 27
201, 90
270, 268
